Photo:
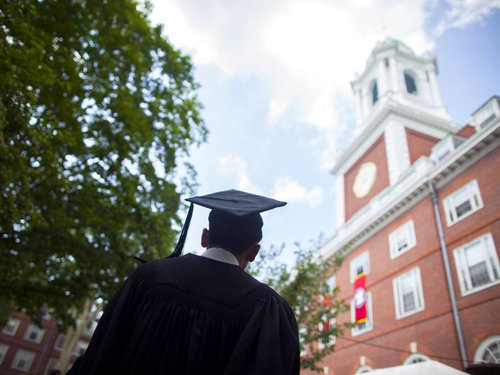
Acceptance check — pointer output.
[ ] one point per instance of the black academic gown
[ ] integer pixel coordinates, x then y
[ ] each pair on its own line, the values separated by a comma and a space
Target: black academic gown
193, 315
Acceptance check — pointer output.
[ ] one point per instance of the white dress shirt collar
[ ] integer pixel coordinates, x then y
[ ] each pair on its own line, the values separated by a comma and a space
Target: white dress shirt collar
221, 255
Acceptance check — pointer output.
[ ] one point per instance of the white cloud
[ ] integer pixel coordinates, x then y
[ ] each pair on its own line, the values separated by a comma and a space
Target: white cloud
306, 51
291, 191
464, 12
231, 165
277, 108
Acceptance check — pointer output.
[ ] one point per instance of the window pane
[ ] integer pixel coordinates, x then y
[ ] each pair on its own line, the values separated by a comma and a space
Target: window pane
463, 208
479, 274
410, 84
409, 302
374, 93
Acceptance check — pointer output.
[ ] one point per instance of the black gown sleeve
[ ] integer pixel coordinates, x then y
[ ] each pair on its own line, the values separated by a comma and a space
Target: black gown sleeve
104, 349
269, 344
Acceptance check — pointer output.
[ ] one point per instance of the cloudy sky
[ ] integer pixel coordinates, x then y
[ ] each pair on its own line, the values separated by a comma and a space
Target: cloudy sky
275, 84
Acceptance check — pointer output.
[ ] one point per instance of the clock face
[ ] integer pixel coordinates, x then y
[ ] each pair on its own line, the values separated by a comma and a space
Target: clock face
364, 180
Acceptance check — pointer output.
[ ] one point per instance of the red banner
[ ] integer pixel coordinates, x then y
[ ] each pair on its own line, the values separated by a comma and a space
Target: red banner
360, 297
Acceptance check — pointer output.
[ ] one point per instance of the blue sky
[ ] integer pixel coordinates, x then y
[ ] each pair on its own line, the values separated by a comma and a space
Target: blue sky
275, 83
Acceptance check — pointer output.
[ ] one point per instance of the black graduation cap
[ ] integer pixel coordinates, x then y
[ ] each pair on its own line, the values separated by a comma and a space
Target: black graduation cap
232, 202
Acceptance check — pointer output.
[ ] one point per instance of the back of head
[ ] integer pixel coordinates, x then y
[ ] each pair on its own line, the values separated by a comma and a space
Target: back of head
234, 233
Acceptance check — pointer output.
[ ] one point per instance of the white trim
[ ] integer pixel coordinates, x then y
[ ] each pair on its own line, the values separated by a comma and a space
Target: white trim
14, 322
340, 198
474, 197
58, 345
4, 348
363, 369
33, 328
356, 331
417, 291
478, 355
397, 152
412, 357
487, 247
23, 355
408, 229
80, 347
362, 259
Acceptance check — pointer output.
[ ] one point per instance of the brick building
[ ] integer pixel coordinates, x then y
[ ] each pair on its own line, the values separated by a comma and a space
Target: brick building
27, 349
418, 202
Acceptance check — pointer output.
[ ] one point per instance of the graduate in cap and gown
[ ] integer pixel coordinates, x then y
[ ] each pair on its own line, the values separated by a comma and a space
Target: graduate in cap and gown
200, 314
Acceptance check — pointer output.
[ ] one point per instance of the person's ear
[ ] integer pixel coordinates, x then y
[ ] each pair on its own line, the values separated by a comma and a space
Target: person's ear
204, 238
254, 250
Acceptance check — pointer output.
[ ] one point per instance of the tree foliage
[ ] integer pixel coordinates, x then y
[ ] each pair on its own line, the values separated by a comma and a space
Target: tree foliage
307, 289
97, 113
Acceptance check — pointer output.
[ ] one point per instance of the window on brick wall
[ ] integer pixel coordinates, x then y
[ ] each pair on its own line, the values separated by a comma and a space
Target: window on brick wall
11, 327
23, 360
364, 369
416, 358
488, 351
3, 351
80, 348
34, 333
477, 264
402, 239
462, 203
51, 365
359, 265
366, 326
408, 296
59, 342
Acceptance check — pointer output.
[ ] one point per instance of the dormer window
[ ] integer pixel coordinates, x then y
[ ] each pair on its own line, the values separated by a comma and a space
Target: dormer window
411, 86
374, 92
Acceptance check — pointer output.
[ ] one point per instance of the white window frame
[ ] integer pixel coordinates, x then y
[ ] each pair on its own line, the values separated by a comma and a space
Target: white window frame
478, 356
24, 355
363, 369
58, 345
416, 356
493, 267
450, 211
4, 348
408, 231
417, 290
51, 365
362, 259
356, 331
33, 328
14, 323
80, 345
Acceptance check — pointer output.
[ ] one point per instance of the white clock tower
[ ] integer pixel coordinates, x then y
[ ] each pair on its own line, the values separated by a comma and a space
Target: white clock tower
400, 117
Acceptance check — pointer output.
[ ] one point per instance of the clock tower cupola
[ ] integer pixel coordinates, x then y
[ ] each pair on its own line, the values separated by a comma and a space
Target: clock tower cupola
400, 118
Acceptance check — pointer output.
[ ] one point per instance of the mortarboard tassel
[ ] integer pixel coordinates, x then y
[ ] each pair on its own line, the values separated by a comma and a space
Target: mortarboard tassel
182, 238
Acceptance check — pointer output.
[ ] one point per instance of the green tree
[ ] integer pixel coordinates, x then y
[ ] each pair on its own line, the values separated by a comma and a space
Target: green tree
97, 114
307, 288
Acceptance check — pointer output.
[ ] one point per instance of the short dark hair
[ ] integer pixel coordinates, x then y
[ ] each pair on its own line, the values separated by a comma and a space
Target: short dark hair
234, 233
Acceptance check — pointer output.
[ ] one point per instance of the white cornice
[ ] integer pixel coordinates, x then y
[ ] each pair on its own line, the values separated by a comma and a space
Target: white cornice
411, 188
390, 107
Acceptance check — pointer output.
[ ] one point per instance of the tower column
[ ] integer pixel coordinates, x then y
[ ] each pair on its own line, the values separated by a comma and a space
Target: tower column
394, 74
397, 152
434, 89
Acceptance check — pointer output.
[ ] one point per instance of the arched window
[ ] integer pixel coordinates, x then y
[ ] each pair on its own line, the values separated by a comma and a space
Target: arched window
415, 358
363, 369
374, 92
411, 86
488, 351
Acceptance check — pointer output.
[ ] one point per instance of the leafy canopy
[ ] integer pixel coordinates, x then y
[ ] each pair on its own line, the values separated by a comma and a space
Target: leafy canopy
97, 112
